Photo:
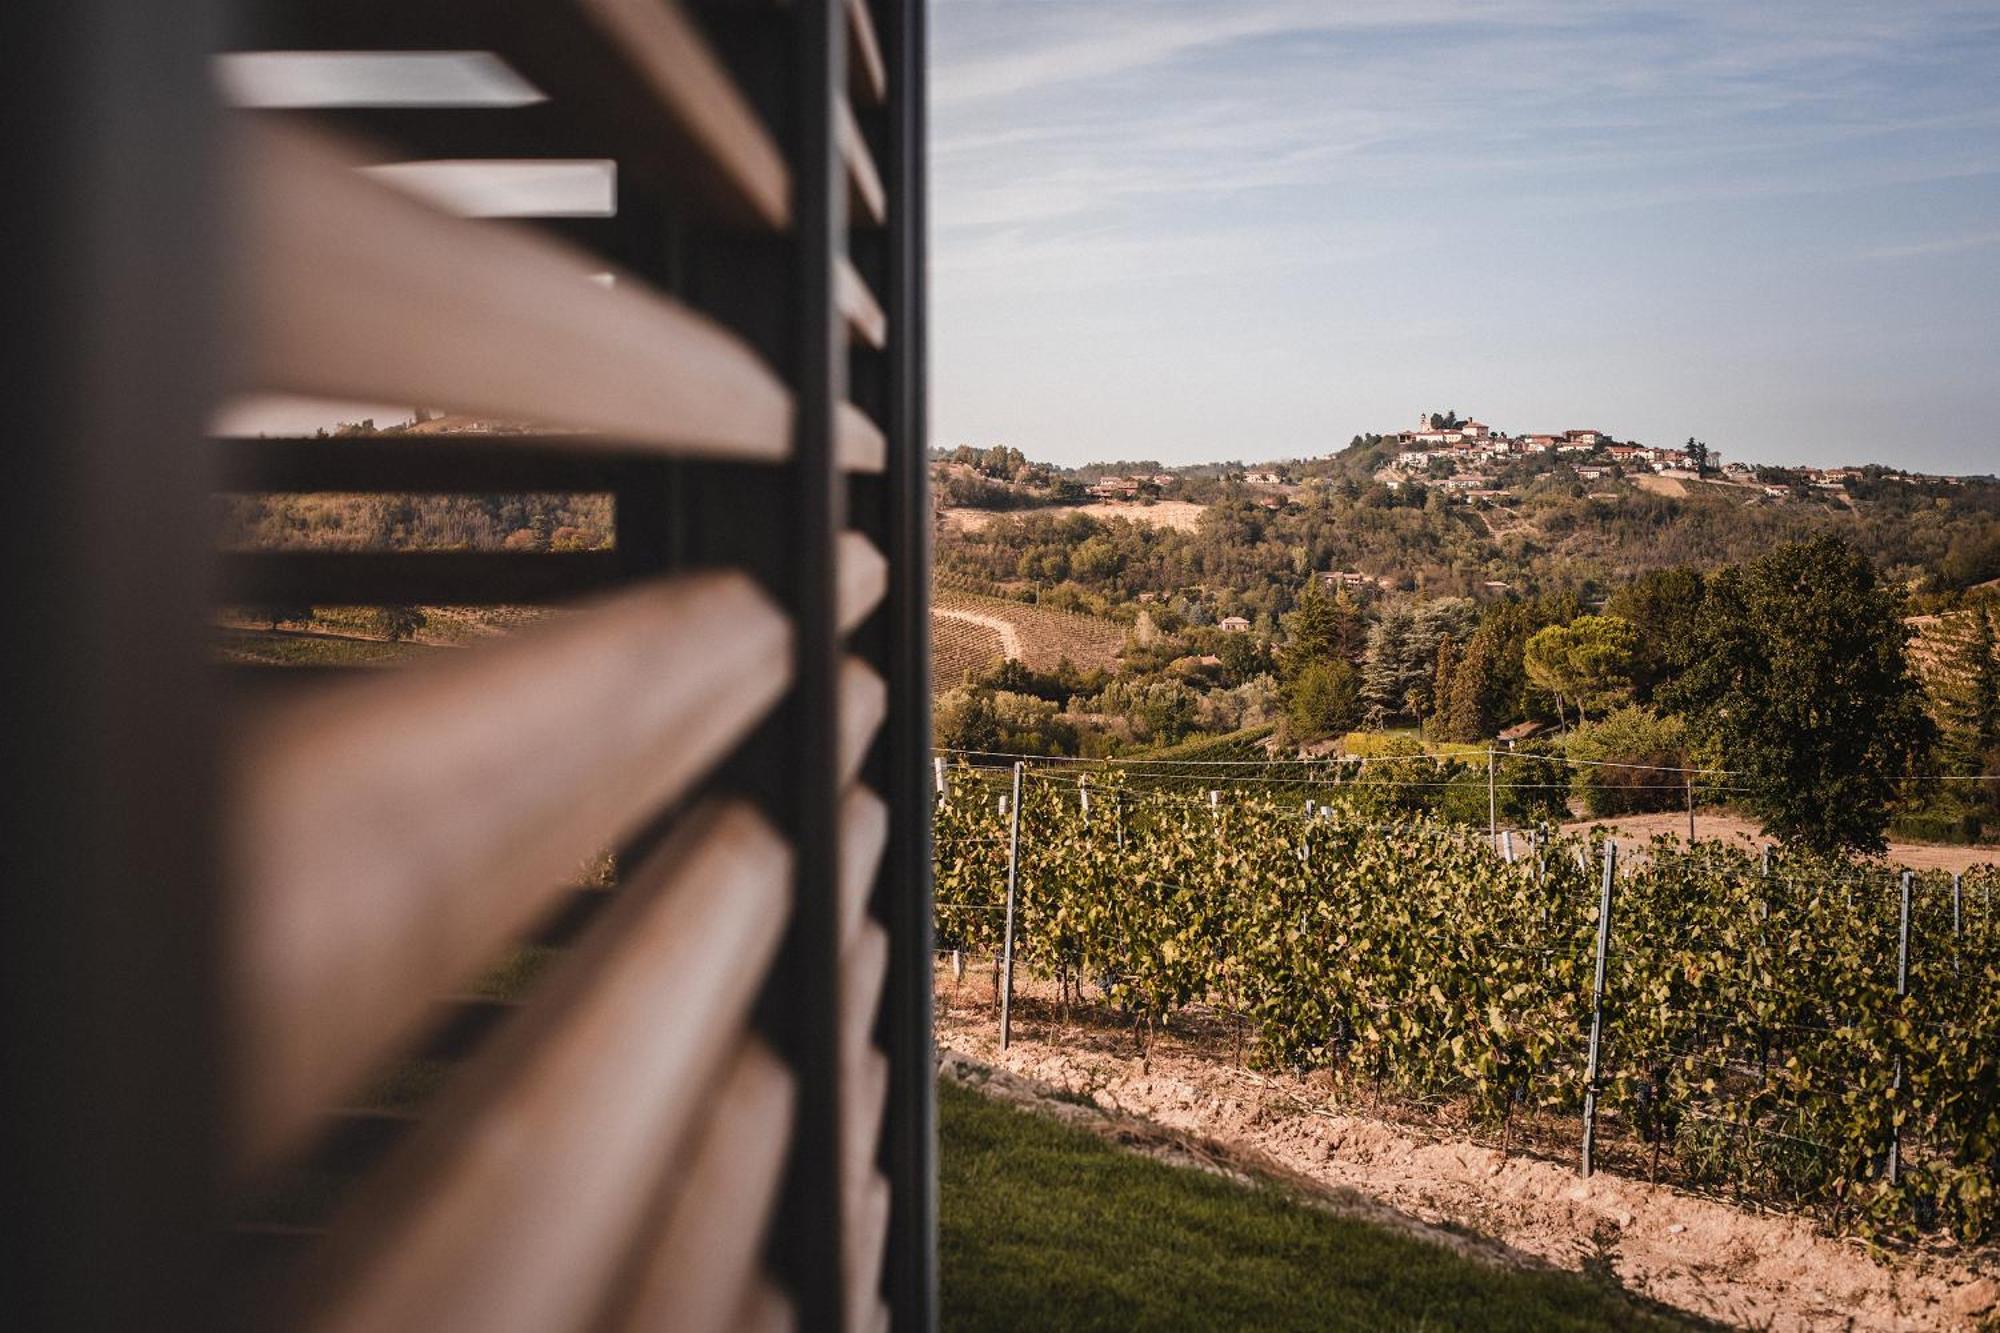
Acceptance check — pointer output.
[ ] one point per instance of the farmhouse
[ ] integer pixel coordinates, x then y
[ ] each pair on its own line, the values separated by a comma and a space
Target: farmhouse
1263, 478
1345, 578
1234, 625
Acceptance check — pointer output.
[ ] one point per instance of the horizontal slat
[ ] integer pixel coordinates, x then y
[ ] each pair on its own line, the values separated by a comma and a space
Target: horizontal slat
361, 1136
669, 54
635, 80
416, 578
861, 444
867, 201
409, 464
383, 134
706, 1258
510, 1208
766, 1310
868, 75
864, 702
352, 290
394, 830
463, 1023
862, 573
867, 1238
864, 836
859, 309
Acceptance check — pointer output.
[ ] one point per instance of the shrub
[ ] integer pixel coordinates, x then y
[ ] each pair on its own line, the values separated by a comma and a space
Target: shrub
1638, 751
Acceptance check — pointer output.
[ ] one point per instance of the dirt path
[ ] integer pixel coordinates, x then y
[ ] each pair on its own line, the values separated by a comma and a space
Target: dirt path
1742, 832
1010, 640
1761, 1270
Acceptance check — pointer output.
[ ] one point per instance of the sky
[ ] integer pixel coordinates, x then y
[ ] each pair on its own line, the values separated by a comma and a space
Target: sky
1193, 230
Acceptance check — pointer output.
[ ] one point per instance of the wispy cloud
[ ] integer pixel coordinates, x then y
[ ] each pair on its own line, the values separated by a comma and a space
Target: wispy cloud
1946, 245
1474, 151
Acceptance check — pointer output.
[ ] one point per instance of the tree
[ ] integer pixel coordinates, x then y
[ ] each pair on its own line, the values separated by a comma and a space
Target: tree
1589, 662
1324, 699
396, 623
1660, 605
1471, 712
1443, 675
1697, 453
1399, 665
1321, 629
1798, 679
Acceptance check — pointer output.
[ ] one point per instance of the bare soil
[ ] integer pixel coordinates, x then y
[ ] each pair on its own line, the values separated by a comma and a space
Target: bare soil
1741, 832
1181, 514
1010, 641
1188, 1100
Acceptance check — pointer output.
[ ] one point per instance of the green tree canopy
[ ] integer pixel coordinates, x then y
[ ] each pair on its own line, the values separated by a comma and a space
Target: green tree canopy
1660, 605
1321, 628
1324, 700
1799, 682
1589, 662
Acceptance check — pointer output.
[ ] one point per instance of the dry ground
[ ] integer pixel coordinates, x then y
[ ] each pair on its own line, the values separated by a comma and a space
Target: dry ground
1742, 832
1181, 514
1191, 1099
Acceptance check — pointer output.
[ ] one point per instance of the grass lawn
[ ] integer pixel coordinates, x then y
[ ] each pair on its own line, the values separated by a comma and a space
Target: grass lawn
1047, 1227
282, 649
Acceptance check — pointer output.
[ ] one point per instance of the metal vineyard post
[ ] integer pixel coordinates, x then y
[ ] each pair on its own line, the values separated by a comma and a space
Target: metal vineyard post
1902, 989
1007, 939
1492, 803
1597, 1011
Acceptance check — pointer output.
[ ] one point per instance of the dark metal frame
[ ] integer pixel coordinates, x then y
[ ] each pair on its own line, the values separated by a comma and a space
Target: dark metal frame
109, 1031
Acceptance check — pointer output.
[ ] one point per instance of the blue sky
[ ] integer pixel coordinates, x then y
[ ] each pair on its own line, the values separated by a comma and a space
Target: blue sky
1250, 229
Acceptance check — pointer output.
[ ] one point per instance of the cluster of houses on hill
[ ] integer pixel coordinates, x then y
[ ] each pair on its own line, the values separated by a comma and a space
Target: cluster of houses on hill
1127, 488
1476, 442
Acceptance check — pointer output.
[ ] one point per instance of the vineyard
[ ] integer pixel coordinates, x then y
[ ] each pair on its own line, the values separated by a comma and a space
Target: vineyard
1046, 637
1793, 1031
958, 647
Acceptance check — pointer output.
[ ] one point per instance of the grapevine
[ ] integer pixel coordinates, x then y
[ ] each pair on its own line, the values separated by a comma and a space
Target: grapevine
1753, 1030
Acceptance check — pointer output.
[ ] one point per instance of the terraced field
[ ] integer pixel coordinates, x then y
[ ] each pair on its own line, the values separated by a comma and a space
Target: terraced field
1044, 637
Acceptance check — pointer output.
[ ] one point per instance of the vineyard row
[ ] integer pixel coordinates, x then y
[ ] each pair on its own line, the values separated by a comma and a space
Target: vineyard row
1813, 1032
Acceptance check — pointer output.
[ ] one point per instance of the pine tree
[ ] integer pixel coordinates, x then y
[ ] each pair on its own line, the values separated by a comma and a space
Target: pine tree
1471, 711
1382, 663
1313, 632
